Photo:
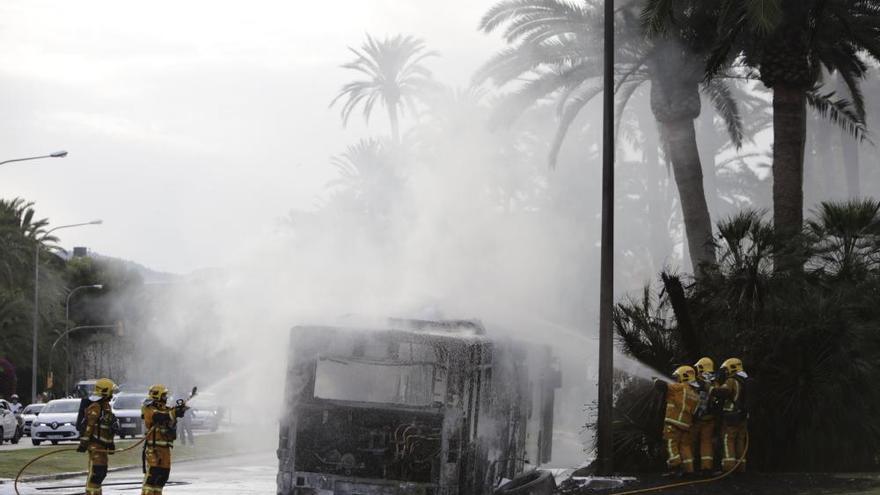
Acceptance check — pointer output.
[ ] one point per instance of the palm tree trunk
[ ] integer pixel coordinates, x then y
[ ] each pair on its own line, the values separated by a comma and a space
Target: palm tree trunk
660, 238
681, 143
851, 164
789, 137
395, 124
709, 150
662, 244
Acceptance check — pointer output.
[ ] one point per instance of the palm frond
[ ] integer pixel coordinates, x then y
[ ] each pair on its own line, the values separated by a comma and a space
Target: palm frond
839, 111
726, 106
577, 101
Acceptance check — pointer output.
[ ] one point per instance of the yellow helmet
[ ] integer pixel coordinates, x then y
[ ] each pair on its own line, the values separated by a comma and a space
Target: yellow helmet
104, 388
705, 365
685, 374
158, 392
732, 365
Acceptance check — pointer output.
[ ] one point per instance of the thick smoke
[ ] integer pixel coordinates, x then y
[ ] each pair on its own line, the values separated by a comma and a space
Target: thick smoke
460, 220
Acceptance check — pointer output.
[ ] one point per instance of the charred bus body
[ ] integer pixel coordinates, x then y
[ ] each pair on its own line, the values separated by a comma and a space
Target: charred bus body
419, 407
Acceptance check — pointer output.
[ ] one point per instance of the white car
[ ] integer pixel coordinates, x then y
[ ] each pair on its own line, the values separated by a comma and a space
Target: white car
28, 415
56, 422
127, 409
9, 429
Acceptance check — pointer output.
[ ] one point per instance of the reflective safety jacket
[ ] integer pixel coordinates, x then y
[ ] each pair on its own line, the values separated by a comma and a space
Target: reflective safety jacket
682, 400
99, 423
161, 424
733, 391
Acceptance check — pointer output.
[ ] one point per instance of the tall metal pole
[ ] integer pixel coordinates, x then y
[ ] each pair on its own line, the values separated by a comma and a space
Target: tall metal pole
36, 321
605, 437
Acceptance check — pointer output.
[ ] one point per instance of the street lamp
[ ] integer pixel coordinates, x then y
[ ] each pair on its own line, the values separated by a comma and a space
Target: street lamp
67, 329
604, 423
57, 154
37, 299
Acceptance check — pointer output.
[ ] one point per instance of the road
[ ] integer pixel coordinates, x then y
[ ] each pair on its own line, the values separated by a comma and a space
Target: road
25, 442
241, 475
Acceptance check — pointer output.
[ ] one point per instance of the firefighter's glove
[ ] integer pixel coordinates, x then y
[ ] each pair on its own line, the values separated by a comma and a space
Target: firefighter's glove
660, 385
82, 447
111, 449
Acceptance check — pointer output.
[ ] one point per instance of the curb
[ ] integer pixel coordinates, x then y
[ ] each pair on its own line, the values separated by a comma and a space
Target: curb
75, 474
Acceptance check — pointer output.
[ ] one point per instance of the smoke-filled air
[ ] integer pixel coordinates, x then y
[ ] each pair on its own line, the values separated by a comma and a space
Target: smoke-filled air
357, 247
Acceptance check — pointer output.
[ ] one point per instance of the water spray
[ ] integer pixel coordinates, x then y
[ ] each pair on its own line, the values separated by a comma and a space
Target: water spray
622, 362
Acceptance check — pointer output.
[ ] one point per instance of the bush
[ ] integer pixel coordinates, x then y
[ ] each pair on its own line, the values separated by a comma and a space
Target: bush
811, 339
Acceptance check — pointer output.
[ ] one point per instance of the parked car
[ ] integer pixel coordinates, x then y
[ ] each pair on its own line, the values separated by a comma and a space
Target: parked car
28, 415
56, 422
204, 413
204, 419
10, 428
127, 408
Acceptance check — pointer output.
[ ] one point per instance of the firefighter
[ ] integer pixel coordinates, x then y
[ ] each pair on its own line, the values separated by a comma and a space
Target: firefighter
682, 400
734, 415
707, 413
97, 434
161, 422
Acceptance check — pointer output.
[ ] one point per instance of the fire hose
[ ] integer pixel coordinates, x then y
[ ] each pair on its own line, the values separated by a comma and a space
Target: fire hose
692, 482
58, 451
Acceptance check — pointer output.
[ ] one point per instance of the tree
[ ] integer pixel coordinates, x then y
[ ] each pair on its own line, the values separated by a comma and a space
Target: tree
21, 234
556, 49
8, 380
789, 42
395, 77
368, 179
846, 237
19, 231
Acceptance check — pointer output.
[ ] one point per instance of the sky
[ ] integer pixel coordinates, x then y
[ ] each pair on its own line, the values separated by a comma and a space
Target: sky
193, 127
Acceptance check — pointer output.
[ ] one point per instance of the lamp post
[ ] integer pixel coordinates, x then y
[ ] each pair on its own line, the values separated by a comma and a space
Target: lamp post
37, 300
604, 433
67, 330
57, 154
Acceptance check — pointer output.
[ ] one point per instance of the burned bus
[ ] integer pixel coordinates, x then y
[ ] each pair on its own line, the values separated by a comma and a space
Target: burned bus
417, 407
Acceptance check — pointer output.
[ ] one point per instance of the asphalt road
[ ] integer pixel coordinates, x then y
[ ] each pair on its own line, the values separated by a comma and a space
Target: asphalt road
241, 475
25, 442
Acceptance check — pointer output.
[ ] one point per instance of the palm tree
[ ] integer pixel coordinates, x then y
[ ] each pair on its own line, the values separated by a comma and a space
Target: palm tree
368, 178
395, 77
19, 231
788, 42
556, 49
847, 237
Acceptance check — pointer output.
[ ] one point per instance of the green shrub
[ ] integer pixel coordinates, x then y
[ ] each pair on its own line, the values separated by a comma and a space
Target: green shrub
810, 338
